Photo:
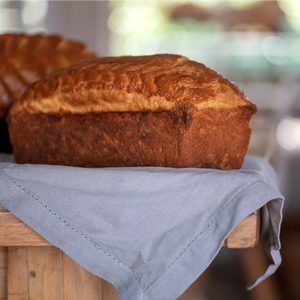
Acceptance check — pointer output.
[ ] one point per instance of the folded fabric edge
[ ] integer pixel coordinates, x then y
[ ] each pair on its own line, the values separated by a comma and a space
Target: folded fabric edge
22, 205
203, 251
275, 220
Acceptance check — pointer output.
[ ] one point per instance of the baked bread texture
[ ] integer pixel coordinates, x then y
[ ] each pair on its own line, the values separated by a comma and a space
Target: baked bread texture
25, 59
161, 110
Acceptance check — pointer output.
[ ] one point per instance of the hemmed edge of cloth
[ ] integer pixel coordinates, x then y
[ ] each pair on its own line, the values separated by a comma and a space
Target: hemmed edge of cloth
250, 199
19, 201
245, 204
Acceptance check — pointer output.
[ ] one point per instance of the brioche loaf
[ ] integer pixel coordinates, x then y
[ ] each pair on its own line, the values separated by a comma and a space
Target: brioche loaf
161, 110
25, 59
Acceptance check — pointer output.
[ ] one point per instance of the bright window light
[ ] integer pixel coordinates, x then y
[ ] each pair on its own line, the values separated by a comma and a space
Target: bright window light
34, 12
288, 134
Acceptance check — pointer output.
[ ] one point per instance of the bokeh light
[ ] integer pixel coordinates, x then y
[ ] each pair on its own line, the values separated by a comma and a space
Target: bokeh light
8, 19
288, 134
295, 50
125, 20
144, 27
242, 4
204, 3
292, 10
290, 7
275, 49
34, 12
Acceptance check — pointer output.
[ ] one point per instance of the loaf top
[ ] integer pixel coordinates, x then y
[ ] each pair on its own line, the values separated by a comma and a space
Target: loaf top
132, 84
24, 59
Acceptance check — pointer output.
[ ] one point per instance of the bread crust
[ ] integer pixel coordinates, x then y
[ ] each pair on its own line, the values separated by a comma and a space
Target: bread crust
215, 138
26, 58
161, 110
132, 84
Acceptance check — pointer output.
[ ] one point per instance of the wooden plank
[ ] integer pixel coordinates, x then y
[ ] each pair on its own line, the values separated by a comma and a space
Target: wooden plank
245, 234
3, 273
3, 284
109, 291
14, 232
2, 208
45, 273
17, 273
3, 257
78, 283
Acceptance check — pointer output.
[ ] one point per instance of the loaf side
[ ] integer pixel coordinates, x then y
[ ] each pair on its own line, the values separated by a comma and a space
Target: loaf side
215, 138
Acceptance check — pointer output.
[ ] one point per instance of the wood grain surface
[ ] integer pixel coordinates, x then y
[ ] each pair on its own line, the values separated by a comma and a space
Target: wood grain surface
245, 234
17, 273
46, 273
42, 271
3, 272
14, 232
38, 273
3, 209
78, 283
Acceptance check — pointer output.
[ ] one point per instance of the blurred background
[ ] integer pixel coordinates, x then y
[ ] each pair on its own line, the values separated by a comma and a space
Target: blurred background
252, 42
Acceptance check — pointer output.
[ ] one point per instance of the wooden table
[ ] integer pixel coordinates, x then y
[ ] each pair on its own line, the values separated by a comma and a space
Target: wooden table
34, 269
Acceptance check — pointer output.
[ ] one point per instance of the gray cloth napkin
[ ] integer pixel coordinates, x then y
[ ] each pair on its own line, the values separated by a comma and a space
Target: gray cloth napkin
149, 231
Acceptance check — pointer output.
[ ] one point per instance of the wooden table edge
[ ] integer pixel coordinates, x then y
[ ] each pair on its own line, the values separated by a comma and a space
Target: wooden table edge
14, 233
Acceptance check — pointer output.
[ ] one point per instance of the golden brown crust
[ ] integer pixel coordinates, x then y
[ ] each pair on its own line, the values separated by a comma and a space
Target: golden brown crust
215, 138
25, 59
132, 84
161, 110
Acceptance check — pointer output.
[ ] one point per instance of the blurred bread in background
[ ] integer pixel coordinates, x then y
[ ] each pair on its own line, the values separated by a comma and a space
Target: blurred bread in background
261, 16
26, 58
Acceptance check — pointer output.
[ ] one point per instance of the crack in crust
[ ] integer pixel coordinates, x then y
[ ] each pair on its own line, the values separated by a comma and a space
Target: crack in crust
132, 84
25, 59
